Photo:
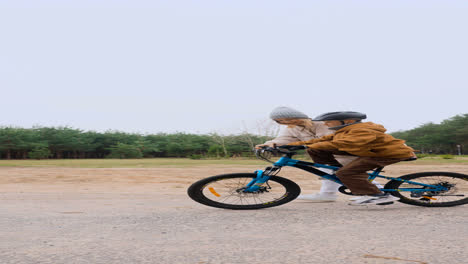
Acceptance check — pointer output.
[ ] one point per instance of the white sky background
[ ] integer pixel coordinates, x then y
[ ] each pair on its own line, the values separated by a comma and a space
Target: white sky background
205, 66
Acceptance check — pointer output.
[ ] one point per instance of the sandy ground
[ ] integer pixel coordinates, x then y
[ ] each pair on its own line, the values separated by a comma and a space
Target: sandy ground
69, 215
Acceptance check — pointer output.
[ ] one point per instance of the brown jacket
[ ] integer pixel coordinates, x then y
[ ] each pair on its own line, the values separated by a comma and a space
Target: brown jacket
362, 139
293, 134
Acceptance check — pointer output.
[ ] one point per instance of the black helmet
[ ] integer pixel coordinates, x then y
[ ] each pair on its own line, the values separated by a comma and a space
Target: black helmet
344, 115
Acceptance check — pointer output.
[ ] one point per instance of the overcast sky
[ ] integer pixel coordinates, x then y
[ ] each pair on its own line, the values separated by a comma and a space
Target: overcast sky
212, 66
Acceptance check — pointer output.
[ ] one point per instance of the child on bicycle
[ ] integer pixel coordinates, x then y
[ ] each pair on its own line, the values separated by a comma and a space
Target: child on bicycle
368, 142
300, 128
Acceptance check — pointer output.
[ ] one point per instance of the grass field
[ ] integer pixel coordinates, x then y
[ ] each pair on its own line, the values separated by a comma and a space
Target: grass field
128, 163
174, 162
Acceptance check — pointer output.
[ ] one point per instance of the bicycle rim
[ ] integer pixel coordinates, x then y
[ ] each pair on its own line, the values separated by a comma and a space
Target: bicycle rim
226, 191
457, 185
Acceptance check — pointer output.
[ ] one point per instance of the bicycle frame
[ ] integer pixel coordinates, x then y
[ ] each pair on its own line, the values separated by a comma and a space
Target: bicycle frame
264, 175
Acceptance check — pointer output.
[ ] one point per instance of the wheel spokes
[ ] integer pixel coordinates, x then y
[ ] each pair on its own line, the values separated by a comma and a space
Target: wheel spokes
455, 189
229, 191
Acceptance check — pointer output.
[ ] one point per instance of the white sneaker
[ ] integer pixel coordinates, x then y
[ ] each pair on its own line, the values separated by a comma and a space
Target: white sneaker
375, 200
319, 197
355, 198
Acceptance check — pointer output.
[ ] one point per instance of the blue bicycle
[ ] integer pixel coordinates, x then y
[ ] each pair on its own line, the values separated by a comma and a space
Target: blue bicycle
263, 188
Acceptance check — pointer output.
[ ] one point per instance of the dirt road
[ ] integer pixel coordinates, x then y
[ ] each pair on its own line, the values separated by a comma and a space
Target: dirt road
64, 215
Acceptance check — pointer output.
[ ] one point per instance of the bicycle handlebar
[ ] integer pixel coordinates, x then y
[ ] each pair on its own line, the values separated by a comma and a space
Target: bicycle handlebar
289, 147
285, 149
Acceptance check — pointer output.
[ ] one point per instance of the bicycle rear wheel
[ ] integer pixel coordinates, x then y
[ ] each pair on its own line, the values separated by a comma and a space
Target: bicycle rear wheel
456, 183
226, 191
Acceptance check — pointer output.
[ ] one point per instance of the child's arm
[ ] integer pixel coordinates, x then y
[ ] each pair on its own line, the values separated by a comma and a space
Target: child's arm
356, 138
312, 141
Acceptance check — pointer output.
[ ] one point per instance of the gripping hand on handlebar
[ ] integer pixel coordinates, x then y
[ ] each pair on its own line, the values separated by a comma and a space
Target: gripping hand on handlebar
281, 149
292, 147
265, 145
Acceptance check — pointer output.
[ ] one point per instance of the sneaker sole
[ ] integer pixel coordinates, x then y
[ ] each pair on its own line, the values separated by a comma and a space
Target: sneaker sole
381, 203
316, 201
387, 203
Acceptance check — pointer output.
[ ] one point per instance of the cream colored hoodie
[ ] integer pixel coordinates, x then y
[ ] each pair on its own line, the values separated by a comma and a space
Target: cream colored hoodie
288, 135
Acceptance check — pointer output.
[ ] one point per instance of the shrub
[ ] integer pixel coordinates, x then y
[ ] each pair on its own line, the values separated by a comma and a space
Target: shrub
447, 156
215, 151
421, 155
41, 152
124, 151
196, 156
249, 154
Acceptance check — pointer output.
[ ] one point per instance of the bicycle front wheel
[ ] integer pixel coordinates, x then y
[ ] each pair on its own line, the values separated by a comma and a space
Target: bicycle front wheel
226, 191
455, 183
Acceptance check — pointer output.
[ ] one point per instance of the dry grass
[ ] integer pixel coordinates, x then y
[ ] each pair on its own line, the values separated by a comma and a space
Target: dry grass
178, 162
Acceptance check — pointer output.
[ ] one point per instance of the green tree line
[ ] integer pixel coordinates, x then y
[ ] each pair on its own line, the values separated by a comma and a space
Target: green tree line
448, 137
70, 143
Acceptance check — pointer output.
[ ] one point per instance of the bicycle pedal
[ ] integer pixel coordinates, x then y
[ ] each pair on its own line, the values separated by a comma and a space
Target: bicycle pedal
387, 203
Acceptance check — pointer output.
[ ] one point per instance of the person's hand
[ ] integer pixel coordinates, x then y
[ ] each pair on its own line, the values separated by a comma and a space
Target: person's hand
271, 145
297, 143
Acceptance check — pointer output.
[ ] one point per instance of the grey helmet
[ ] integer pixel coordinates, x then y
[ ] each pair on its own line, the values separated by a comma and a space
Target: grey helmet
340, 116
287, 112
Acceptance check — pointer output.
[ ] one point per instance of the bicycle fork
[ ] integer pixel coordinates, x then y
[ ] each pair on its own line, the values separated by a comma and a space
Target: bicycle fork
262, 176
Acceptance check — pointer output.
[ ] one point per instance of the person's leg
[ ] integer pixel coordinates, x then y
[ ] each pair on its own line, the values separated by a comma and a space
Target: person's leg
328, 193
329, 189
344, 160
325, 156
376, 183
354, 174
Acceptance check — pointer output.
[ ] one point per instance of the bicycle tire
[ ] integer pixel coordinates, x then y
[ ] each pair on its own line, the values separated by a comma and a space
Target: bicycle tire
200, 192
432, 200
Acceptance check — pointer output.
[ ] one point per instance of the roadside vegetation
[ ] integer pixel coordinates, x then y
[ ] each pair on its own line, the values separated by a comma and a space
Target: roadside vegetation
448, 138
182, 162
129, 163
70, 143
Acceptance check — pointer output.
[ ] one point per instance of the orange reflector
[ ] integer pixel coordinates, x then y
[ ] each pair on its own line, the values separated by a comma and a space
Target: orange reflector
427, 197
214, 192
